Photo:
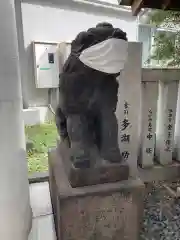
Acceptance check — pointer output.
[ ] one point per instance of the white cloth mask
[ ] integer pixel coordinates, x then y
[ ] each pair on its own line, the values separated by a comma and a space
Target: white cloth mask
108, 56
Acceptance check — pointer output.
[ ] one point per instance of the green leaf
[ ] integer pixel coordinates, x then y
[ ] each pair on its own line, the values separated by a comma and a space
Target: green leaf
166, 44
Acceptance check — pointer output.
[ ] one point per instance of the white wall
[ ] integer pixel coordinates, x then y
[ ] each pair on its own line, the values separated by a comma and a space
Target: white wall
55, 25
15, 211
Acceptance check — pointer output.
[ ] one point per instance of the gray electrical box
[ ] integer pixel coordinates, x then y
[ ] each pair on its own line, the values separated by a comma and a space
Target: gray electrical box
46, 65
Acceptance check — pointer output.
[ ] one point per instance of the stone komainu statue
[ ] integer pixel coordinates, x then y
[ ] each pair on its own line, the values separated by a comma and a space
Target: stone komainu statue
88, 95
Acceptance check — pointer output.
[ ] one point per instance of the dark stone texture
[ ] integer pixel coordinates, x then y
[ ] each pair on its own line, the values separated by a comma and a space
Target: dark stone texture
38, 177
101, 173
110, 211
86, 112
93, 131
29, 145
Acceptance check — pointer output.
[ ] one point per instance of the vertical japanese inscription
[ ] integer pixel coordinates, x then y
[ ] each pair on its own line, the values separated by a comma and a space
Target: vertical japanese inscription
150, 133
125, 124
168, 140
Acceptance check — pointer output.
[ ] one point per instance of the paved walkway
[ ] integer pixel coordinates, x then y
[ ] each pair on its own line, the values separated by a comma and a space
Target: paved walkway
43, 226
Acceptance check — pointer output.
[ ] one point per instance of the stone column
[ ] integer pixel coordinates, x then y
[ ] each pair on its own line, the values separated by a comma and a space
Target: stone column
166, 121
128, 108
148, 126
177, 127
15, 211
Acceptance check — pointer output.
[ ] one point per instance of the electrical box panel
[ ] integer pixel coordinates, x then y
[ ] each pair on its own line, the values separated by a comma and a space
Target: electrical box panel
46, 64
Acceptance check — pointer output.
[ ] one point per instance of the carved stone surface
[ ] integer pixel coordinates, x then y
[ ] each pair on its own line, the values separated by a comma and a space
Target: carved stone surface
111, 211
101, 173
88, 98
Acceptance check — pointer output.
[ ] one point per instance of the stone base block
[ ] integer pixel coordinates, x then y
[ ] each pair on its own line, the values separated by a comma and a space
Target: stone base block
101, 173
110, 211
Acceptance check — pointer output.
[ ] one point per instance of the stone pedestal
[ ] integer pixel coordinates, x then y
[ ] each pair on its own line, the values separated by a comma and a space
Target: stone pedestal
110, 211
103, 172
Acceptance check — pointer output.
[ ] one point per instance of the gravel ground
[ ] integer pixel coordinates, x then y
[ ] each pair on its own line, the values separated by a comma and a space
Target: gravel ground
161, 215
